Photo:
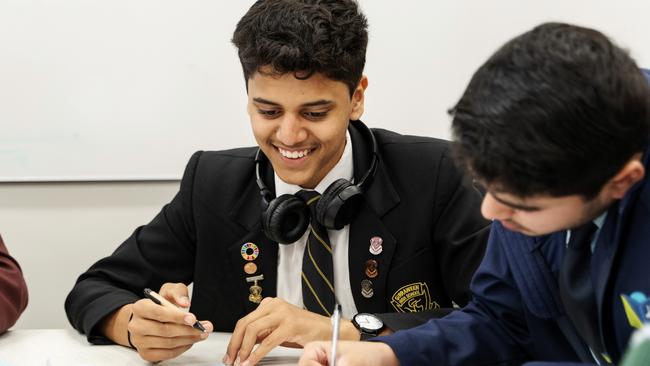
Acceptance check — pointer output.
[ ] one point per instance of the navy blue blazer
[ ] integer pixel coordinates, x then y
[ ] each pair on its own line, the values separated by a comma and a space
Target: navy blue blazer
516, 314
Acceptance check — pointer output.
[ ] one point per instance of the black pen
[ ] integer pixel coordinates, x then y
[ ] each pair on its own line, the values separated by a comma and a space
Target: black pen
153, 296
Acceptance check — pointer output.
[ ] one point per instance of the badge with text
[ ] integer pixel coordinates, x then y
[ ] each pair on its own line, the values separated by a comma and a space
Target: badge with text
250, 251
412, 298
376, 245
255, 290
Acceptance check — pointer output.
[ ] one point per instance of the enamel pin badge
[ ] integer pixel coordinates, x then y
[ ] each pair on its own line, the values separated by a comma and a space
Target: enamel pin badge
255, 290
376, 245
250, 251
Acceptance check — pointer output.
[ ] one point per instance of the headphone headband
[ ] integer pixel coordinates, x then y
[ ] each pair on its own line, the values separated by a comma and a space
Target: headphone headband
285, 218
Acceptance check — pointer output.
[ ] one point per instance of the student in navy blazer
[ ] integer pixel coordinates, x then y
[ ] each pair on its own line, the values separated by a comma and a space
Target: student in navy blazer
555, 126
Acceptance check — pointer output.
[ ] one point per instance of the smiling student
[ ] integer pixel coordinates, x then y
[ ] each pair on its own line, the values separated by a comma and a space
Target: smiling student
324, 210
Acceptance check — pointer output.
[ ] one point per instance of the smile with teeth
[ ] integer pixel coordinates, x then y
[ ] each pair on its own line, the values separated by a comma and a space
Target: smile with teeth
297, 154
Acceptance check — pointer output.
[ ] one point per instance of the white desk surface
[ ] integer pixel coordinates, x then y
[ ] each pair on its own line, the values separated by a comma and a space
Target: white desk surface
66, 347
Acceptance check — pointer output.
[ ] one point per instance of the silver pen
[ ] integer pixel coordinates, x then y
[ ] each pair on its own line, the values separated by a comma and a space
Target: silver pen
336, 324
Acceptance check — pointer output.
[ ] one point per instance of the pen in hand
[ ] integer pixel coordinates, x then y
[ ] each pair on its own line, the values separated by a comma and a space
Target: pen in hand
156, 298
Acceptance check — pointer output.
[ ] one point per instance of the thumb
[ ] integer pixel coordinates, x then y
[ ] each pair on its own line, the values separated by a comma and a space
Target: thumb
176, 293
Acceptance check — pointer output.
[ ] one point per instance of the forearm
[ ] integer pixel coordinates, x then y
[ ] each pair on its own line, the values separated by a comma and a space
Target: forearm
348, 331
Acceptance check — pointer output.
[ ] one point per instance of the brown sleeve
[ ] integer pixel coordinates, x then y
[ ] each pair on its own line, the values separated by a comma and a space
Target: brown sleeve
13, 290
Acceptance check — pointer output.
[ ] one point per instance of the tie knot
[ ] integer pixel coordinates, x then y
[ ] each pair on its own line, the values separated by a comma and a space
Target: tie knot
310, 197
582, 235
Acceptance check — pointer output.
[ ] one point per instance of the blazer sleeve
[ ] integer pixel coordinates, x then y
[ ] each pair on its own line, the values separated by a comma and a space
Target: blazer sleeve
460, 232
158, 252
13, 290
490, 330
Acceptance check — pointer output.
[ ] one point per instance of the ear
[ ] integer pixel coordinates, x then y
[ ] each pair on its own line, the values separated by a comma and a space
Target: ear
632, 172
358, 99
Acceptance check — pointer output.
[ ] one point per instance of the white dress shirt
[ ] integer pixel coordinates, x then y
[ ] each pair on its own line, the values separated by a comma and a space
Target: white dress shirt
290, 255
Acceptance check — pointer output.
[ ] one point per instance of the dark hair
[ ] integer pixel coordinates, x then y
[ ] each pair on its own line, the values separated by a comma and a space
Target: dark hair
557, 110
304, 37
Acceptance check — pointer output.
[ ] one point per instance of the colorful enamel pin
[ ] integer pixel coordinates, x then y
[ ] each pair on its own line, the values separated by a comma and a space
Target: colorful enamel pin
250, 251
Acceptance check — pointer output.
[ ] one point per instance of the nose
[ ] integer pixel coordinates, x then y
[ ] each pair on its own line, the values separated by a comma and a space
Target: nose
492, 209
291, 131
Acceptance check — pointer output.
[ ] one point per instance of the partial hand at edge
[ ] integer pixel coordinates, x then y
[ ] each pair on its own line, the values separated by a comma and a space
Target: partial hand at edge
349, 354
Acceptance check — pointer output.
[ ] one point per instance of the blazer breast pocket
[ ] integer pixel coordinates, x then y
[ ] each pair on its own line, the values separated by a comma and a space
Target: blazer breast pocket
413, 286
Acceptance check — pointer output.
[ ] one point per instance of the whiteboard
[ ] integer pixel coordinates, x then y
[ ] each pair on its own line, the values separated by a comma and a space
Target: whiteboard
96, 90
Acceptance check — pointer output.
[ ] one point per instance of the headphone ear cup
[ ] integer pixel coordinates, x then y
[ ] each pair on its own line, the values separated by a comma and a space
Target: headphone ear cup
286, 219
338, 204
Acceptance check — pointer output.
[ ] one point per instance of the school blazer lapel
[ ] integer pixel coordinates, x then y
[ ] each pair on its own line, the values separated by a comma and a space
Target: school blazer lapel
379, 198
247, 212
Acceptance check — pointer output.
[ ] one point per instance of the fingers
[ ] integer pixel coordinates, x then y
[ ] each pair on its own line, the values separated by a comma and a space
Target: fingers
315, 354
176, 293
157, 341
349, 354
241, 329
160, 332
271, 334
147, 309
274, 323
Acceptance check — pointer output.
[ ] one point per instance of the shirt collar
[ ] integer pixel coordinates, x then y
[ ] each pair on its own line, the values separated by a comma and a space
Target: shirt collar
600, 220
343, 169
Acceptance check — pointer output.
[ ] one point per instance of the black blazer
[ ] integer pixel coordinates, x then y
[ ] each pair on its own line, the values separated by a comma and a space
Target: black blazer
429, 220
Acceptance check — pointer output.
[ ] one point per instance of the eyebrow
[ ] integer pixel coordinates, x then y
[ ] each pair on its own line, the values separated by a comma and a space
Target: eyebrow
515, 205
316, 103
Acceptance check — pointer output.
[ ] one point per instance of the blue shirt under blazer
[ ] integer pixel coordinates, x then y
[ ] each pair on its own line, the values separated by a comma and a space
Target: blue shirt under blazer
516, 315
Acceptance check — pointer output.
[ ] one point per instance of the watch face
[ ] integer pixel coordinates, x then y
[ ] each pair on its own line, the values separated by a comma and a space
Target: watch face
368, 321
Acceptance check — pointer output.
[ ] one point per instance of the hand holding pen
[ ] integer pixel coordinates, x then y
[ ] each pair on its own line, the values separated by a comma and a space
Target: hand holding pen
159, 300
159, 329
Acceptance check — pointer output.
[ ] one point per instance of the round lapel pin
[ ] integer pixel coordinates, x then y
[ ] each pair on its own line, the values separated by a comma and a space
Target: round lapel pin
250, 251
250, 268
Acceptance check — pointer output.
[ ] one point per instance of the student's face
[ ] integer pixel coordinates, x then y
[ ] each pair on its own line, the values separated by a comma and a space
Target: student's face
300, 125
542, 214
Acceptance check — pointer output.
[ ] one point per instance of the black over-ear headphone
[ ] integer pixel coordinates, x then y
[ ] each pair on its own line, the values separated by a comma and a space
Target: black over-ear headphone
285, 218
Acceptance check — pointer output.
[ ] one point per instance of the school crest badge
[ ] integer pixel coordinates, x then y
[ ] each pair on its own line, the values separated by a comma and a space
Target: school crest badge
412, 298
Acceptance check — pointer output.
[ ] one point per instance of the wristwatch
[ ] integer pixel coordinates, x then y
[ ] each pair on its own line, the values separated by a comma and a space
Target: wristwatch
368, 325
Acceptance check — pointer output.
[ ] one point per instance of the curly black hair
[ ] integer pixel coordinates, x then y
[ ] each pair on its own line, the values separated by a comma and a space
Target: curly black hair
557, 110
304, 37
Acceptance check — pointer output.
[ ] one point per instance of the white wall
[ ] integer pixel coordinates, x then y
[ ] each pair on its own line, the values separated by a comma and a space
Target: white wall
421, 55
57, 230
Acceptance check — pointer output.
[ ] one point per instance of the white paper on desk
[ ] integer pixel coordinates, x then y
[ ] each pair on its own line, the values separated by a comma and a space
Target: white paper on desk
205, 354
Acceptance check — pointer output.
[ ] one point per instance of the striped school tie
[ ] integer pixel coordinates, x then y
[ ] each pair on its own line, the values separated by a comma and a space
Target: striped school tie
317, 264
